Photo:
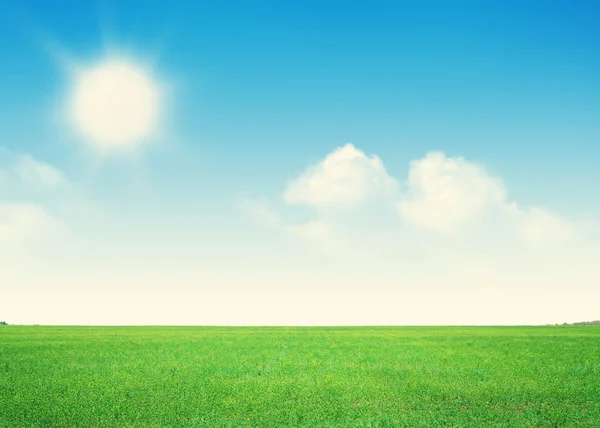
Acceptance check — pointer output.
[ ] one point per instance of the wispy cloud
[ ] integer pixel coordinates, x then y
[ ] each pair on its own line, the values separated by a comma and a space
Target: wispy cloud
27, 187
25, 221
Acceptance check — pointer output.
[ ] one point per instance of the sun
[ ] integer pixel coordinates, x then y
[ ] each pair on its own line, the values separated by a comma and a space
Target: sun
115, 105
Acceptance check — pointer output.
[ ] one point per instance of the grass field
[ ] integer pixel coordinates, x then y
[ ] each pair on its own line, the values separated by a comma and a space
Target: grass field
278, 377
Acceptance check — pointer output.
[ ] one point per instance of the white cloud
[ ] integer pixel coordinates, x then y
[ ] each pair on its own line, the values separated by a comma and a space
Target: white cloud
339, 185
540, 227
26, 186
449, 194
21, 222
38, 174
24, 177
444, 193
450, 219
260, 213
313, 231
345, 177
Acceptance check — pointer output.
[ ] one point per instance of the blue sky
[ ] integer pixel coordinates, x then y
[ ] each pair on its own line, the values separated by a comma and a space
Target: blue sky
260, 95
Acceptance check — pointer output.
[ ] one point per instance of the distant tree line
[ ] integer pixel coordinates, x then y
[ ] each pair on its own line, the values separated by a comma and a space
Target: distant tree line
597, 322
3, 323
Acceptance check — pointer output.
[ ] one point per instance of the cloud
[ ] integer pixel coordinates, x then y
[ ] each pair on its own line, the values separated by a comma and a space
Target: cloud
38, 174
313, 231
345, 177
448, 195
343, 182
21, 222
450, 218
444, 193
27, 187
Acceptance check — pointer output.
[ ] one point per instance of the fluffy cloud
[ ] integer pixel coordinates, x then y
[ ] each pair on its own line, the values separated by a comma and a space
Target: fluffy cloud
444, 193
449, 215
450, 196
447, 195
345, 177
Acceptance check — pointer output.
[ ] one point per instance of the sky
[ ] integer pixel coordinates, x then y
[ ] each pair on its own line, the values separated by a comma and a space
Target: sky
299, 163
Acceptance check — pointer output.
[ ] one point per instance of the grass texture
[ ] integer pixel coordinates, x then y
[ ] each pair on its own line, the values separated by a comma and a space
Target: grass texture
300, 377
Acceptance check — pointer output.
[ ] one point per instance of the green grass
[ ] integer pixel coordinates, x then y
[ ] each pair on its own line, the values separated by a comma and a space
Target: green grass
278, 377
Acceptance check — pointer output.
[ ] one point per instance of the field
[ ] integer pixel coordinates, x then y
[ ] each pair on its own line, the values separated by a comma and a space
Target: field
284, 377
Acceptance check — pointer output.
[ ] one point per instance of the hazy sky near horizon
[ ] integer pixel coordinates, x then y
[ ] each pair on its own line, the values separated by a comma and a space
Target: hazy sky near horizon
314, 162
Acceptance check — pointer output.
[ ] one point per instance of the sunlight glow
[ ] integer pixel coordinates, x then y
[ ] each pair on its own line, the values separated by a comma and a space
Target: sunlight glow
115, 105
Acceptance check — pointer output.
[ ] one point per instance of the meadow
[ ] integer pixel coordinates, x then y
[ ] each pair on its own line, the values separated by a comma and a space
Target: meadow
300, 377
